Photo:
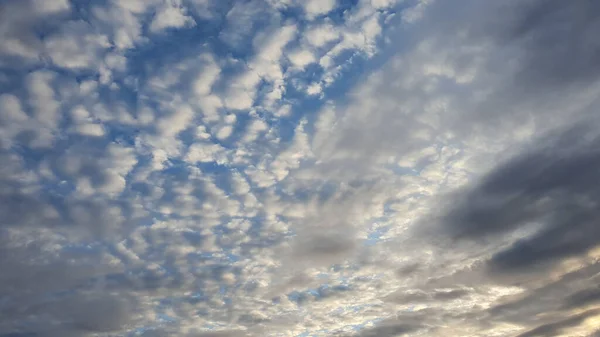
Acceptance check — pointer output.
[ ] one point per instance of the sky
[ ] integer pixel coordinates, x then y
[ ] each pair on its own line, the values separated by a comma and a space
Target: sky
299, 168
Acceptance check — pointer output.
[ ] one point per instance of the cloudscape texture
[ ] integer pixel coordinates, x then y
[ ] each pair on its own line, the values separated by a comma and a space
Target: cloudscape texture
299, 168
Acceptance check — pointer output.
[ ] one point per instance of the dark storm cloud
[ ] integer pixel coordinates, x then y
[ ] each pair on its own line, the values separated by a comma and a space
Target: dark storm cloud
560, 327
450, 294
76, 316
45, 279
100, 313
421, 296
389, 329
219, 334
573, 290
43, 291
549, 193
401, 325
559, 41
552, 43
583, 298
555, 185
534, 55
165, 333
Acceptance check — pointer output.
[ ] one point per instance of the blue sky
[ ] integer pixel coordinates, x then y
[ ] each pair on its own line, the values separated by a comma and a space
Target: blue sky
206, 168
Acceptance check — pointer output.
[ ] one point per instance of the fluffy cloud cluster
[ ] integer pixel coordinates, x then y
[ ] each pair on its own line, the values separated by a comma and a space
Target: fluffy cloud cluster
299, 168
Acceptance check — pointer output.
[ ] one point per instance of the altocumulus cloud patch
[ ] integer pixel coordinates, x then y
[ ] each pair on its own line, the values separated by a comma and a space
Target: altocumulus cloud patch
299, 168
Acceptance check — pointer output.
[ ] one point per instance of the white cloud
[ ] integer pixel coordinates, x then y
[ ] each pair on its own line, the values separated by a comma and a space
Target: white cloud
314, 89
201, 133
95, 130
207, 76
320, 35
84, 124
240, 184
43, 97
18, 20
11, 108
202, 87
225, 132
264, 66
318, 7
206, 153
121, 20
301, 58
290, 158
13, 119
255, 127
101, 172
383, 3
241, 20
46, 109
177, 121
76, 46
51, 7
171, 16
284, 110
261, 177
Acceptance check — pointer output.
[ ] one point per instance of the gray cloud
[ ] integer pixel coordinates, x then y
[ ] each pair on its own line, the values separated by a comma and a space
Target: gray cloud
22, 46
553, 185
583, 298
558, 42
547, 197
393, 327
559, 327
389, 330
545, 193
421, 296
556, 297
165, 333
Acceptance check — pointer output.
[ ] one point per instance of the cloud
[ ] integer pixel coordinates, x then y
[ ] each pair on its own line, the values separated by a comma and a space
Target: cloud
242, 20
385, 330
26, 307
292, 168
84, 124
77, 46
549, 186
301, 58
18, 19
539, 21
314, 8
264, 66
537, 190
558, 327
321, 34
171, 16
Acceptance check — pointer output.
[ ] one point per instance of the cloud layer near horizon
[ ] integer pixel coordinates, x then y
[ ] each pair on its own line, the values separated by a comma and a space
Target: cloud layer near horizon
360, 168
